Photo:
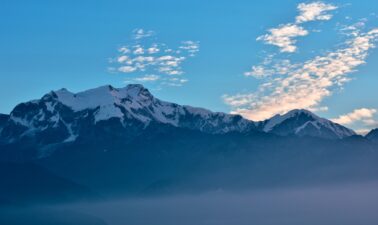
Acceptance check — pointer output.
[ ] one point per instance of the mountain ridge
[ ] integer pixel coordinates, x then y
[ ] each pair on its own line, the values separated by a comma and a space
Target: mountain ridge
302, 122
131, 102
372, 135
127, 142
61, 116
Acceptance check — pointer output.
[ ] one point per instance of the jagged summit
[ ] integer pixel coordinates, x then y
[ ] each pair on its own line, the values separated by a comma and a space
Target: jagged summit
302, 122
277, 119
63, 116
134, 98
66, 116
101, 96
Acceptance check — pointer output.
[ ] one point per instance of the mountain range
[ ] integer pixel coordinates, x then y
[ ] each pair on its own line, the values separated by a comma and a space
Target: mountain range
61, 117
124, 141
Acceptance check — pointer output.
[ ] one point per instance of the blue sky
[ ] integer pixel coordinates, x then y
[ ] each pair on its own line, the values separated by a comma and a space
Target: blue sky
47, 45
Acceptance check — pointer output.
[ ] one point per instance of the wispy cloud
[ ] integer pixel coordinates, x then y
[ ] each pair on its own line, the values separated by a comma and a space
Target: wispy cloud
168, 81
192, 47
127, 69
148, 78
175, 82
284, 36
304, 84
363, 118
363, 115
314, 11
143, 55
141, 33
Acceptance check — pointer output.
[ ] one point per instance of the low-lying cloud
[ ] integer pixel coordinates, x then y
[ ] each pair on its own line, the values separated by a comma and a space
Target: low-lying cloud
364, 117
325, 205
363, 114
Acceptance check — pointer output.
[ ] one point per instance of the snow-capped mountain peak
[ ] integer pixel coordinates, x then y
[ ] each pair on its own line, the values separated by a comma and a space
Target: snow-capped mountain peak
68, 114
302, 122
278, 119
63, 116
106, 100
137, 102
101, 96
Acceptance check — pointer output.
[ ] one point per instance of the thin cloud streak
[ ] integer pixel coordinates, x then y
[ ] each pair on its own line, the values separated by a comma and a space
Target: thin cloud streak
141, 33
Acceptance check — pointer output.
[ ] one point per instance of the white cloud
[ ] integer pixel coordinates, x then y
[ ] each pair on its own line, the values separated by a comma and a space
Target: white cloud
175, 82
261, 71
165, 57
172, 81
138, 50
122, 58
124, 50
364, 114
303, 85
371, 122
147, 78
142, 59
143, 55
318, 109
174, 72
364, 118
192, 47
153, 49
314, 11
127, 69
354, 29
258, 72
283, 36
140, 33
362, 131
286, 86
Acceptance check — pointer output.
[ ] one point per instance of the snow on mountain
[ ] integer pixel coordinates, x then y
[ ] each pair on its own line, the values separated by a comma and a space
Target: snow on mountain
67, 113
105, 98
302, 122
136, 101
62, 116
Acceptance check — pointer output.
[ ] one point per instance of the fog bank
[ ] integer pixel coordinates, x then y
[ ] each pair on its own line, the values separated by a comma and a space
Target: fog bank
346, 205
